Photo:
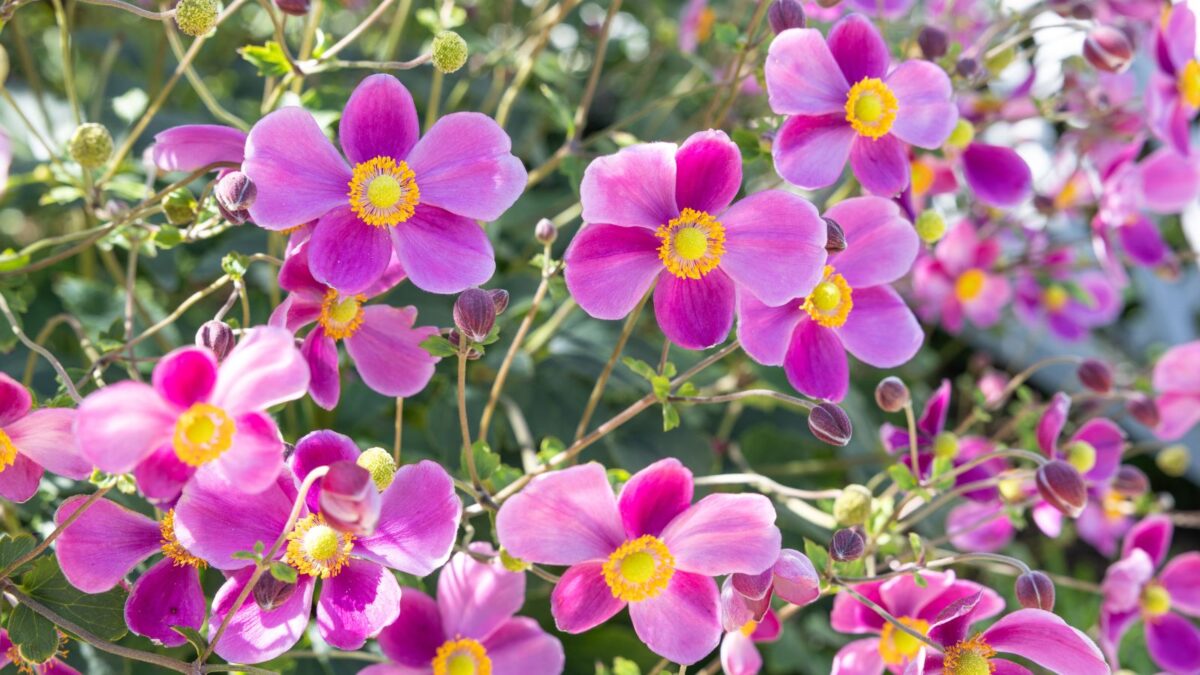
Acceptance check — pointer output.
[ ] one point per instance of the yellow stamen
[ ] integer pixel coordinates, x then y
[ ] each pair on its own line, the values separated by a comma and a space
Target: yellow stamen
1189, 83
1069, 194
704, 25
171, 546
317, 549
871, 107
8, 451
1116, 505
692, 244
202, 433
640, 569
383, 192
1055, 298
896, 646
463, 656
969, 284
922, 177
1155, 600
749, 627
969, 657
341, 315
831, 301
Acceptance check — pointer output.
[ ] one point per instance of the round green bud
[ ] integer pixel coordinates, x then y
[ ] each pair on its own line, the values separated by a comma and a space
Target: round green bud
1173, 460
180, 207
449, 51
1010, 489
379, 462
512, 564
962, 135
931, 226
853, 505
197, 17
91, 145
945, 445
1082, 456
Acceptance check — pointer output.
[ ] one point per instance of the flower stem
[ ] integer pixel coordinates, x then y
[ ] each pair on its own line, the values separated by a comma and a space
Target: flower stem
602, 382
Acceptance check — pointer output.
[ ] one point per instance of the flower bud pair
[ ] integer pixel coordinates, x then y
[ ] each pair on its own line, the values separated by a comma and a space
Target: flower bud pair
475, 312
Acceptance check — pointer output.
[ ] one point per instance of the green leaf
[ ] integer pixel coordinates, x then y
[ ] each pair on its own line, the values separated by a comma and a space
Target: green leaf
551, 446
902, 476
12, 260
235, 264
283, 572
102, 613
34, 635
920, 580
670, 417
244, 555
662, 387
688, 389
623, 666
640, 367
193, 637
268, 58
486, 461
12, 548
168, 236
817, 554
726, 34
130, 105
437, 345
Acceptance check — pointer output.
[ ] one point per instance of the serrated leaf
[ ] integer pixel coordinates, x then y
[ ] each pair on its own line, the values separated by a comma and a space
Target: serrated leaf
267, 58
34, 635
101, 613
817, 554
902, 476
439, 346
12, 548
283, 572
640, 367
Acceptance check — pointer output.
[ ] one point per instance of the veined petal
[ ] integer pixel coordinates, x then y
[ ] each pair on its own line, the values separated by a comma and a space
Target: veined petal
634, 187
185, 376
682, 622
121, 424
654, 496
927, 113
880, 164
357, 603
213, 521
412, 639
802, 76
708, 172
255, 634
191, 147
520, 647
443, 252
104, 544
815, 362
379, 120
166, 595
475, 598
47, 437
610, 268
265, 369
347, 253
774, 245
724, 533
881, 244
465, 165
881, 330
562, 518
582, 599
695, 313
418, 521
803, 137
387, 352
766, 331
858, 48
1047, 640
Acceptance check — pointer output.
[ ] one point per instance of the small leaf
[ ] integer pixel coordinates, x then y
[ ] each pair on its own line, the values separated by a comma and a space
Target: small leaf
623, 666
662, 387
688, 389
100, 613
244, 555
902, 476
234, 264
920, 580
283, 572
12, 548
193, 637
640, 367
551, 446
486, 461
268, 58
670, 417
34, 635
437, 345
817, 554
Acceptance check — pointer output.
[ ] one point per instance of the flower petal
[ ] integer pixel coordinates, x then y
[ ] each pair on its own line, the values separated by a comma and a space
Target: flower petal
47, 436
265, 369
465, 165
254, 459
520, 647
121, 424
192, 147
796, 580
739, 656
765, 331
1109, 442
803, 137
815, 362
774, 246
708, 172
1153, 535
654, 496
802, 76
347, 253
695, 313
1178, 413
610, 268
582, 599
1051, 424
320, 353
316, 449
881, 330
104, 543
880, 164
418, 521
858, 48
255, 634
680, 624
213, 520
997, 175
1181, 579
927, 113
387, 351
634, 187
443, 252
881, 244
724, 533
298, 173
562, 518
1174, 643
186, 376
166, 595
412, 639
1047, 640
162, 475
379, 120
860, 657
15, 400
475, 598
357, 603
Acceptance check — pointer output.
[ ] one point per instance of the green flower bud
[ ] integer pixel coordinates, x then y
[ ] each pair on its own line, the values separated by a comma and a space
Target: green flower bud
449, 51
179, 207
91, 145
853, 505
962, 135
196, 17
1082, 456
1173, 460
945, 445
931, 226
379, 462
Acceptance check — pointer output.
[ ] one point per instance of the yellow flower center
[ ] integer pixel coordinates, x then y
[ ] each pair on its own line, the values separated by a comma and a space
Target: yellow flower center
317, 549
1189, 83
969, 657
704, 25
922, 177
171, 546
896, 646
1055, 298
945, 445
640, 569
830, 302
341, 315
749, 627
202, 433
692, 244
1010, 489
462, 657
969, 285
871, 107
1155, 600
1082, 456
383, 192
8, 451
1116, 505
1068, 195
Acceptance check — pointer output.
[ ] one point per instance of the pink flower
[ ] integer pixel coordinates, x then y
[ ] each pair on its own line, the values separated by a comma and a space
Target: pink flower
196, 417
192, 147
650, 548
1173, 95
32, 442
739, 656
1095, 449
959, 281
1177, 382
1071, 303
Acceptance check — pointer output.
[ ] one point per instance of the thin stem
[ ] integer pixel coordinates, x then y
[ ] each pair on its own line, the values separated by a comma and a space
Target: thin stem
602, 382
886, 616
735, 75
1024, 375
68, 62
353, 34
197, 82
45, 353
911, 420
468, 452
378, 65
528, 59
748, 393
399, 429
50, 151
133, 9
766, 485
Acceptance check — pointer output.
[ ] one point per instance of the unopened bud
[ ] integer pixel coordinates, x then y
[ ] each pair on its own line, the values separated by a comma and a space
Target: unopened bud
1095, 375
475, 314
1035, 590
91, 145
847, 545
545, 231
235, 191
835, 236
785, 14
934, 42
293, 7
196, 17
217, 336
966, 66
179, 207
794, 579
449, 51
1143, 409
1173, 460
931, 226
891, 394
1108, 49
962, 135
853, 505
380, 464
830, 424
1130, 481
512, 564
270, 592
349, 498
499, 299
1062, 487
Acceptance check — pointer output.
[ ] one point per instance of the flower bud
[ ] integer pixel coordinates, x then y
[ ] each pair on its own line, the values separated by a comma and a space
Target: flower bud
179, 207
1095, 375
847, 545
961, 136
785, 14
293, 7
1173, 460
853, 505
1081, 455
891, 394
235, 191
270, 592
835, 236
349, 498
545, 231
830, 424
499, 299
449, 51
931, 226
475, 314
966, 66
91, 145
1062, 487
196, 17
794, 578
1108, 49
1143, 409
934, 42
1130, 481
380, 464
217, 336
1035, 590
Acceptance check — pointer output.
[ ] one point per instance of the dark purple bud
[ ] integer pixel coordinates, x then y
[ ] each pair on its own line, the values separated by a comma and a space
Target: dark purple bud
934, 42
349, 498
236, 191
1035, 591
499, 299
545, 231
835, 236
270, 592
830, 424
1130, 481
1062, 487
891, 394
475, 314
1143, 409
785, 14
1108, 49
1095, 375
293, 7
217, 336
828, 3
966, 66
847, 545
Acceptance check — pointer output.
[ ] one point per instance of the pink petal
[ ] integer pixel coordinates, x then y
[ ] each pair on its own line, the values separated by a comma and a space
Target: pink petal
974, 527
881, 244
582, 599
1174, 643
1047, 640
320, 353
162, 475
803, 137
851, 616
1109, 442
15, 400
927, 113
681, 623
1178, 413
255, 635
724, 533
264, 370
104, 544
654, 496
166, 595
880, 164
186, 376
413, 639
465, 165
1181, 579
1168, 180
521, 647
634, 187
347, 253
765, 331
860, 657
858, 48
1153, 535
47, 436
121, 424
709, 172
356, 604
475, 598
997, 175
418, 521
192, 147
610, 268
815, 363
213, 521
387, 352
1179, 369
774, 246
1050, 425
881, 330
796, 580
379, 120
695, 313
739, 656
443, 252
802, 77
902, 596
255, 458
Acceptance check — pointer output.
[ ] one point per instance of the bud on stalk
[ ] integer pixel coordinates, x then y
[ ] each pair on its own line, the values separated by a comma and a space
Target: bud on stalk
891, 394
1035, 590
349, 499
1143, 409
1095, 375
475, 314
785, 14
1108, 49
933, 42
847, 545
1062, 487
217, 336
830, 424
835, 236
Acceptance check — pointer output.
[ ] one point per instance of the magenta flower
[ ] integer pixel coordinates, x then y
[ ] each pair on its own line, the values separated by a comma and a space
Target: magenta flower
9, 654
470, 628
1173, 95
1105, 519
197, 418
650, 548
660, 213
359, 596
1177, 382
997, 175
1095, 449
101, 548
1070, 303
191, 147
914, 606
739, 656
888, 9
845, 102
747, 597
959, 281
1132, 590
417, 197
382, 341
853, 308
33, 442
